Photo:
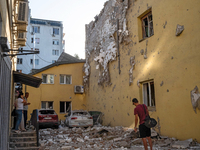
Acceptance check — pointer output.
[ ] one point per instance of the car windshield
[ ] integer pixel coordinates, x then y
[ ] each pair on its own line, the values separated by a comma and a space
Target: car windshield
47, 111
80, 113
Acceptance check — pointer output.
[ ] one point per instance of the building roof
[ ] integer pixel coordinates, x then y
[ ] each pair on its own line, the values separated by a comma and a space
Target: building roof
45, 22
63, 59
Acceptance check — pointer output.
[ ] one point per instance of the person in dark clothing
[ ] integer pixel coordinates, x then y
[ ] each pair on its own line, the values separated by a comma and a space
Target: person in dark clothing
145, 132
25, 108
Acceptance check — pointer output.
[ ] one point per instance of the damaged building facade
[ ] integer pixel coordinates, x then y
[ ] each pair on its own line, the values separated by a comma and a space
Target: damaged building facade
149, 51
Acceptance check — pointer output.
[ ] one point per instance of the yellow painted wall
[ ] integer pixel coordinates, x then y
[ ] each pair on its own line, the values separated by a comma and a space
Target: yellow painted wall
171, 59
58, 92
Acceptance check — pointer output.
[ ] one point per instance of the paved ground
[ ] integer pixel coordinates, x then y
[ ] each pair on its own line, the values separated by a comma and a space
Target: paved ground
106, 138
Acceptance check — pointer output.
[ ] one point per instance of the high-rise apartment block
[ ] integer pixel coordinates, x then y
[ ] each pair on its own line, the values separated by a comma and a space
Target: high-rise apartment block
45, 36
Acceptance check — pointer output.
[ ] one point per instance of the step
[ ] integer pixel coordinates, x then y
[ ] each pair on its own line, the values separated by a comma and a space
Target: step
23, 134
23, 139
22, 144
24, 148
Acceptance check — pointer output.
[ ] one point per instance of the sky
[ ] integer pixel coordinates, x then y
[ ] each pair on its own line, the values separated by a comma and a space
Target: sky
74, 14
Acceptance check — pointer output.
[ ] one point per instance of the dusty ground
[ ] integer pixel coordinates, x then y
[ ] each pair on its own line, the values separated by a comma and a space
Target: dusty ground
106, 138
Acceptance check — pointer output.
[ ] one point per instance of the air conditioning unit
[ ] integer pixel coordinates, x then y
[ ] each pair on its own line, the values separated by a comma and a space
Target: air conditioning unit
21, 35
22, 11
78, 89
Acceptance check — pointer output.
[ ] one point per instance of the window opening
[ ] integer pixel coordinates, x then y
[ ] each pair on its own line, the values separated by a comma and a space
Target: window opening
47, 78
46, 105
19, 60
147, 25
65, 79
65, 107
149, 93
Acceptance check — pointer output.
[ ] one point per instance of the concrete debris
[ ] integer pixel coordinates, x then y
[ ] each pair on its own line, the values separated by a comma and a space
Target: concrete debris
104, 138
195, 98
182, 144
179, 29
132, 63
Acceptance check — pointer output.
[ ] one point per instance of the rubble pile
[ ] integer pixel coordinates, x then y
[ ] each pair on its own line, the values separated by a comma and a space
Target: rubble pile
105, 138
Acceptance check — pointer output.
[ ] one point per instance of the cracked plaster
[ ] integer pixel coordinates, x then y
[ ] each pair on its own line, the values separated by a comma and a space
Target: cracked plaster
195, 98
132, 63
101, 38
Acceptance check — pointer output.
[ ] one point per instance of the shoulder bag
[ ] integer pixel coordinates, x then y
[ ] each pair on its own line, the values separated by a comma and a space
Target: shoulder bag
149, 122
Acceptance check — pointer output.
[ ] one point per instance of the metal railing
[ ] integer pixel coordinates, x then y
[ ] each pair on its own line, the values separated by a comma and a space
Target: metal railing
34, 121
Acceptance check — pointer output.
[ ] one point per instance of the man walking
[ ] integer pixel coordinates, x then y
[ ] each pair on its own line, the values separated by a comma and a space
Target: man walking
145, 132
25, 109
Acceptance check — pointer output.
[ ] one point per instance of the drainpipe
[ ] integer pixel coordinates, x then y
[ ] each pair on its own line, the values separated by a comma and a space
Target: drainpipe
118, 45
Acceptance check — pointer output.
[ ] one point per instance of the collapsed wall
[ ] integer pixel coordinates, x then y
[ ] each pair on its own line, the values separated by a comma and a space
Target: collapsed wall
103, 36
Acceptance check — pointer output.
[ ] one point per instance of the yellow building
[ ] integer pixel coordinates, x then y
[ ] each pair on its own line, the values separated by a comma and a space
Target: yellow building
149, 50
61, 87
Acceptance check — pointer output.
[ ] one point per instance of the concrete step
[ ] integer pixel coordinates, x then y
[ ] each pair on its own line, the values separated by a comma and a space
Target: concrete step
23, 144
23, 134
23, 139
24, 148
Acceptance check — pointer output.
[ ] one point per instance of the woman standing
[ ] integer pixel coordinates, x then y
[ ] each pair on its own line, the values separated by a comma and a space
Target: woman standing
20, 101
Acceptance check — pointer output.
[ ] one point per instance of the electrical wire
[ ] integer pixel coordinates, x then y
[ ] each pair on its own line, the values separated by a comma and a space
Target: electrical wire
39, 56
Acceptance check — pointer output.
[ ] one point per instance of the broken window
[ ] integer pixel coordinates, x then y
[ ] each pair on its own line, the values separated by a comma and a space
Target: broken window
46, 105
147, 25
65, 79
149, 94
48, 78
65, 107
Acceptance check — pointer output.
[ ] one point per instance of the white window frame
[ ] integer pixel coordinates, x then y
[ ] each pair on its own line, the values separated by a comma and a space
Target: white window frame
55, 42
65, 78
65, 111
36, 61
19, 60
47, 104
48, 76
57, 31
55, 52
37, 40
36, 29
144, 93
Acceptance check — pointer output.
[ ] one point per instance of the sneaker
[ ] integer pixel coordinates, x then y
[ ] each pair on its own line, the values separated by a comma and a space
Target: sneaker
17, 131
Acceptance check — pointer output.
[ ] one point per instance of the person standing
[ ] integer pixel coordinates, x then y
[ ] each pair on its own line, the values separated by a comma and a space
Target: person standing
20, 101
25, 108
145, 132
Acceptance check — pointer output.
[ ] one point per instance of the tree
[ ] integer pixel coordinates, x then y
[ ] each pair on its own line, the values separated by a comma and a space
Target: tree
76, 56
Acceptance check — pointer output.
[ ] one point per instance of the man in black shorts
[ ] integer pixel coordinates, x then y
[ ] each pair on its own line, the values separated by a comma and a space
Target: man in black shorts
145, 133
